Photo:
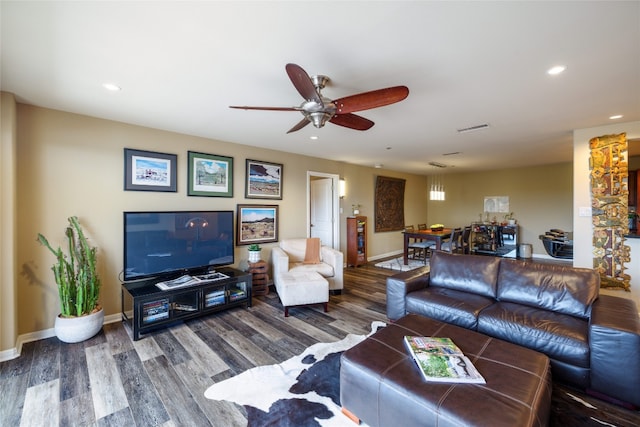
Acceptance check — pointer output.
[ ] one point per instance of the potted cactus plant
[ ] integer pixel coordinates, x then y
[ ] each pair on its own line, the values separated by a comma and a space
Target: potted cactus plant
81, 316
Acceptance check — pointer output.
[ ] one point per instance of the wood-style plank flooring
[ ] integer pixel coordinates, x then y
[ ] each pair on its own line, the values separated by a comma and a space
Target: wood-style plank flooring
111, 380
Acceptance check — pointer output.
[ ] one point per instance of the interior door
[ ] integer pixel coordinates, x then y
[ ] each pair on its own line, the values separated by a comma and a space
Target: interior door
321, 210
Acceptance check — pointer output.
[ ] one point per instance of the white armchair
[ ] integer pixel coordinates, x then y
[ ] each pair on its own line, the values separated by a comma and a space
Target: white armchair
288, 257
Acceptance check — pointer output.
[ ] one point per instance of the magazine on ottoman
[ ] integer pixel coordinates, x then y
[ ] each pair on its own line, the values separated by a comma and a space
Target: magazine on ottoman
440, 360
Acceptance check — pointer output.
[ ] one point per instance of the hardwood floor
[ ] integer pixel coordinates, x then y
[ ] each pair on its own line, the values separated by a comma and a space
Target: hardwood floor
111, 380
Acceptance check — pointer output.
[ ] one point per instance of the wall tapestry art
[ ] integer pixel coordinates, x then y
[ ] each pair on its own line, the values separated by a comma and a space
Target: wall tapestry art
609, 202
389, 204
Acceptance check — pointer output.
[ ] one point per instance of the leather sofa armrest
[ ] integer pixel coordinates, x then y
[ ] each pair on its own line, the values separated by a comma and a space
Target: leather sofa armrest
399, 285
614, 338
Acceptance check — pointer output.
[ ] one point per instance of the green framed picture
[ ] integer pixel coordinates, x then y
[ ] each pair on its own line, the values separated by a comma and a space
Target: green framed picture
210, 175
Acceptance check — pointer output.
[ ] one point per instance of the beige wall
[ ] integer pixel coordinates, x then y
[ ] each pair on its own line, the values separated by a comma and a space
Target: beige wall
539, 197
70, 164
8, 291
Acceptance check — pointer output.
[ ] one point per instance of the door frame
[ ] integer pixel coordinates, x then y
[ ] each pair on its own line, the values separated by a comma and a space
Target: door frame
335, 185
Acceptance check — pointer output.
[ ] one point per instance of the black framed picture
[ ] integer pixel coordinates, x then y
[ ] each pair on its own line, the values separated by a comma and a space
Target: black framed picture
257, 224
210, 175
150, 171
263, 180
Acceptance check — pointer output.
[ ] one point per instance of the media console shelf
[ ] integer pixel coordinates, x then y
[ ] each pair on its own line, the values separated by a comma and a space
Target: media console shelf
146, 307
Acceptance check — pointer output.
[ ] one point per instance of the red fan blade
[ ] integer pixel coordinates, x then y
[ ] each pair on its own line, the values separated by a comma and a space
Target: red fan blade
300, 125
352, 121
303, 83
245, 107
373, 99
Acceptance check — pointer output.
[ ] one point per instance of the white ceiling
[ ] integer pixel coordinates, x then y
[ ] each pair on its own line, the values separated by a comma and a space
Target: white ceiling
181, 64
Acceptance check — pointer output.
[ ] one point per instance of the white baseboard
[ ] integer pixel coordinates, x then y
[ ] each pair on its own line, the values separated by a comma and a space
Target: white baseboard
387, 255
15, 352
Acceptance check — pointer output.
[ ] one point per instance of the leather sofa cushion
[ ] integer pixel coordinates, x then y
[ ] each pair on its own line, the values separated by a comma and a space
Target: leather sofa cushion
469, 273
448, 305
557, 288
559, 336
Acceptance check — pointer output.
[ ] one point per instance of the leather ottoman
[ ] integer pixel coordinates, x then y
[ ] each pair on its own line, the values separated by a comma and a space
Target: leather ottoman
380, 383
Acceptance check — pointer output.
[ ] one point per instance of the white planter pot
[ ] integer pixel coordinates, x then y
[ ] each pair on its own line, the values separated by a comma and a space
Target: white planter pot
77, 329
512, 222
254, 256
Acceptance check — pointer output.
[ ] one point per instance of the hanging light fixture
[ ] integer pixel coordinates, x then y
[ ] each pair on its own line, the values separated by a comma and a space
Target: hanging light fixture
436, 191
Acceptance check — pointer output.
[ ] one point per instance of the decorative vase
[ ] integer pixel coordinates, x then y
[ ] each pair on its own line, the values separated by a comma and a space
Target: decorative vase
77, 329
254, 256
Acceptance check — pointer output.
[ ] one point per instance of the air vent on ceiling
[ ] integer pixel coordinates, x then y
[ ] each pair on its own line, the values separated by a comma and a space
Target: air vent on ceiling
438, 165
473, 128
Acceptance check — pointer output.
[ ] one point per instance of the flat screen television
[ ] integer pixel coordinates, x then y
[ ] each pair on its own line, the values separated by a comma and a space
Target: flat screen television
167, 244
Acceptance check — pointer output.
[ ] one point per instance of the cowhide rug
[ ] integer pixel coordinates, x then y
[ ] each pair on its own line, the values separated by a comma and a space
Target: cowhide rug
304, 391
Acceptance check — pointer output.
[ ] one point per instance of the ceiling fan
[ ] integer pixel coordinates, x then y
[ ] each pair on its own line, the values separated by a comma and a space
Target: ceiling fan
318, 110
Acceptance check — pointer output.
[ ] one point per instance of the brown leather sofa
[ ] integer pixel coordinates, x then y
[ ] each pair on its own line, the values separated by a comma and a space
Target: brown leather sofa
592, 340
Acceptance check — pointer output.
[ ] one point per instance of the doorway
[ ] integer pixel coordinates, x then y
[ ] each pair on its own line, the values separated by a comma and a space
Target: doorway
323, 208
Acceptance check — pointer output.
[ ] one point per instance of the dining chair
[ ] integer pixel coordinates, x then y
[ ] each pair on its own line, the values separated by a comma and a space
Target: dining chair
465, 241
419, 248
422, 226
453, 244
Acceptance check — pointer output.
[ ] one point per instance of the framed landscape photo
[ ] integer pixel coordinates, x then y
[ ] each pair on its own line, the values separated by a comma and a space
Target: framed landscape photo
149, 171
263, 181
257, 224
210, 175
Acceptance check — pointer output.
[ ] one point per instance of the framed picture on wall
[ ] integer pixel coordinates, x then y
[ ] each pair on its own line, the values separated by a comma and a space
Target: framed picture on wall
257, 224
149, 171
263, 180
209, 175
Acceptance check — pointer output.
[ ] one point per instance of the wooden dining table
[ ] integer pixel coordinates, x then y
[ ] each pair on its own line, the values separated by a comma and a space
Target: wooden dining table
436, 236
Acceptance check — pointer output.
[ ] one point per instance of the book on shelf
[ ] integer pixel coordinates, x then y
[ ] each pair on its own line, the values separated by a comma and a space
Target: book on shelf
440, 360
155, 310
236, 294
214, 298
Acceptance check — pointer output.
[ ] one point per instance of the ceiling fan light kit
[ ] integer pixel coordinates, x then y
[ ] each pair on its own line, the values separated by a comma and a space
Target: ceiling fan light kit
319, 110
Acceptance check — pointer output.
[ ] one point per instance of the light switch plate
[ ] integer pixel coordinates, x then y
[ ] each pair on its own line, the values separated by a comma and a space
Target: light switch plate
584, 211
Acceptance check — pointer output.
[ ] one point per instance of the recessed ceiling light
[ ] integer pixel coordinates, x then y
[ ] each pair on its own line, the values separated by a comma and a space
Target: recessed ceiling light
314, 137
616, 117
379, 165
111, 87
556, 70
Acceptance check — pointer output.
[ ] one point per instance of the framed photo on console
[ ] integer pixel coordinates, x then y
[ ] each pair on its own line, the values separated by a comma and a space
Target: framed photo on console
263, 180
257, 224
210, 175
149, 171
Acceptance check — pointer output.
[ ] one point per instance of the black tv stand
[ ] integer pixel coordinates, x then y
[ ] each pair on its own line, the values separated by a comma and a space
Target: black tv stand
146, 307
